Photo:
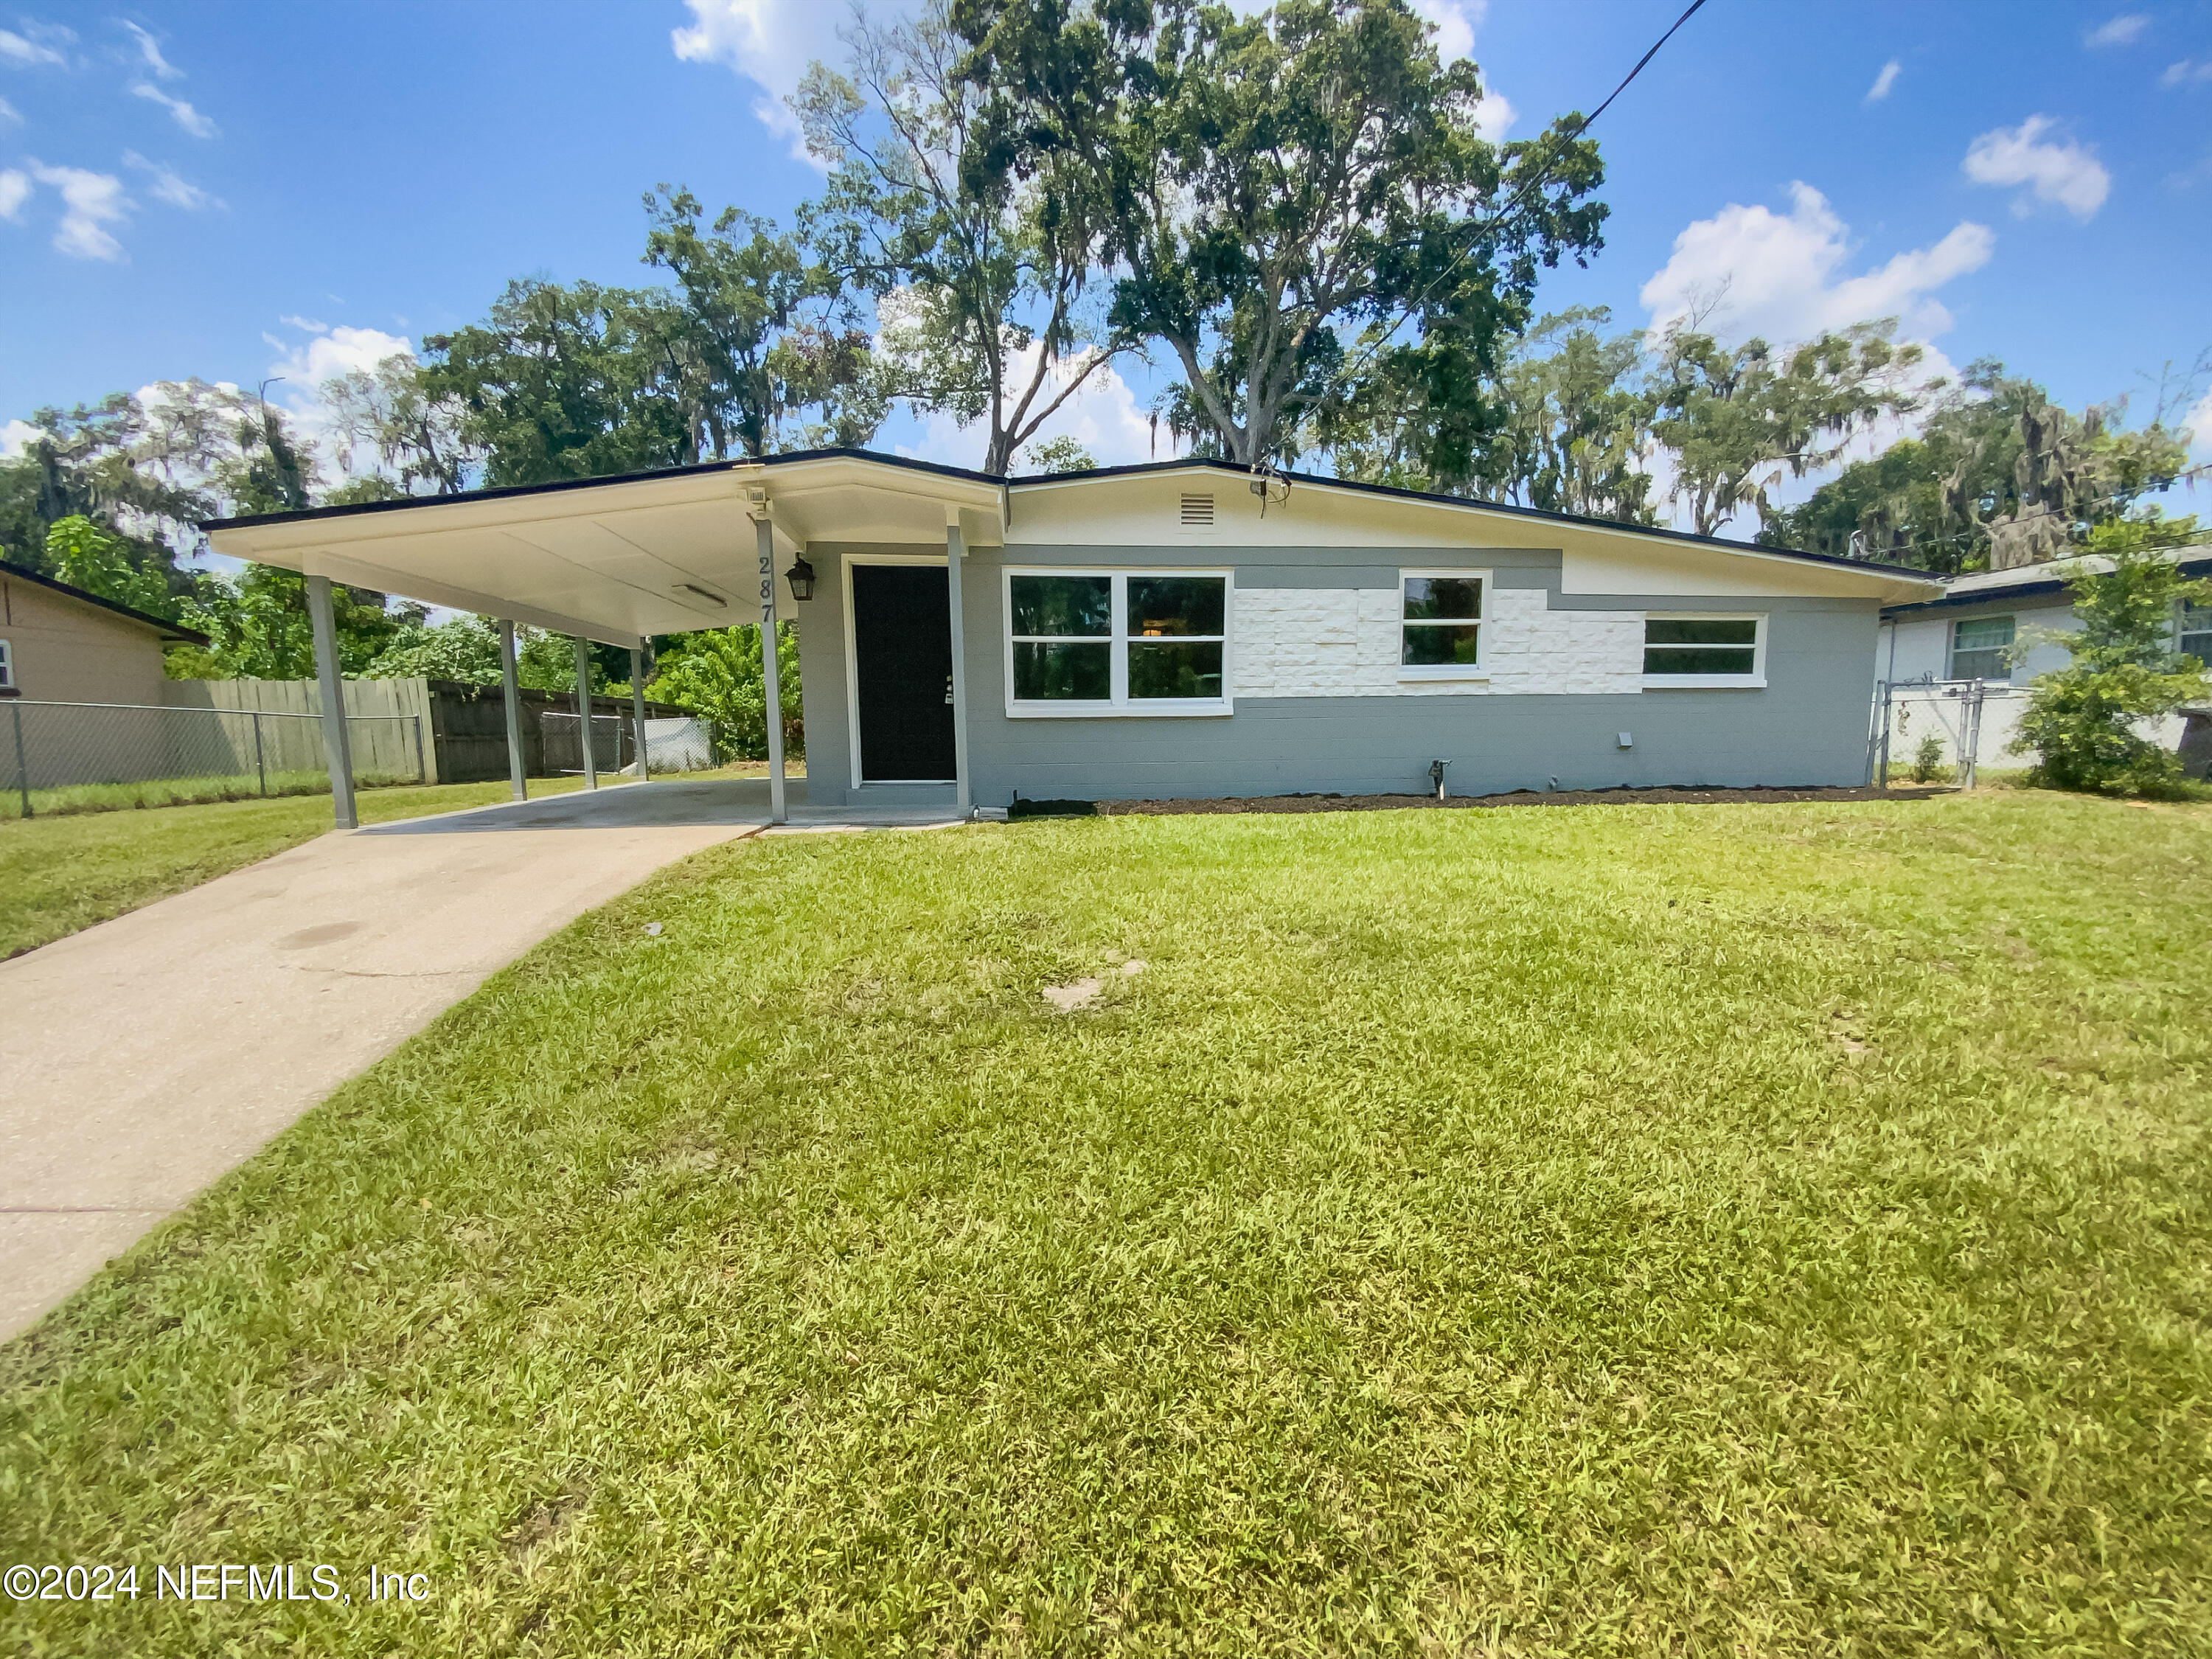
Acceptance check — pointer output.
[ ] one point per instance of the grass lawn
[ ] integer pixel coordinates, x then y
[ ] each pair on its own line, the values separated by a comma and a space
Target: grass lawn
60, 874
1733, 1230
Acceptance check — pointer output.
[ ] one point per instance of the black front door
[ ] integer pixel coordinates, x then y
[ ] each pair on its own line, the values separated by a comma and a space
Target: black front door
902, 660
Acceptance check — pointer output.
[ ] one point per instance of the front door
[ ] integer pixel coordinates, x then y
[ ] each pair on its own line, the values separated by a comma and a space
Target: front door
902, 661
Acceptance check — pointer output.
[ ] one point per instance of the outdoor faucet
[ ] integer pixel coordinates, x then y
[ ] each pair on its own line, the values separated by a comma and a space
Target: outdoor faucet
1437, 775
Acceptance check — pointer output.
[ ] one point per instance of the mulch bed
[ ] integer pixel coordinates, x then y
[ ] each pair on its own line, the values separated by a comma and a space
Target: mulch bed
1518, 798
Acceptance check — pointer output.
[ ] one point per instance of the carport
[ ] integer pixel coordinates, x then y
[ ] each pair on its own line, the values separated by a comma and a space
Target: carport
616, 559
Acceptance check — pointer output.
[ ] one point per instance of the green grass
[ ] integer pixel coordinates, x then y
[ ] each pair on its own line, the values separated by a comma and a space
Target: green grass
70, 799
1729, 1229
60, 874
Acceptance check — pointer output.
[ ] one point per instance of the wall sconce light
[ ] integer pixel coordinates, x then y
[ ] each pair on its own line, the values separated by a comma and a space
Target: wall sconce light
801, 578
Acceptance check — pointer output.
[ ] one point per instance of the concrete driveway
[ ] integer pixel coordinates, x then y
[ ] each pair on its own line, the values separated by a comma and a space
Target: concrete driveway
148, 1055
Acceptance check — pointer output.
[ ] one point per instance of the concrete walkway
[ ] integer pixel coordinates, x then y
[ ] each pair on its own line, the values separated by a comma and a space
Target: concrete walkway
148, 1055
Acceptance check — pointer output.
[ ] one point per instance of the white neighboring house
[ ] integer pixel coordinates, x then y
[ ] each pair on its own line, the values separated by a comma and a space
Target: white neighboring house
1931, 650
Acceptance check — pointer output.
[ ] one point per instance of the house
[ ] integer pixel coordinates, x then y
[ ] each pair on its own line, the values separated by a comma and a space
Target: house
61, 644
1179, 629
2002, 628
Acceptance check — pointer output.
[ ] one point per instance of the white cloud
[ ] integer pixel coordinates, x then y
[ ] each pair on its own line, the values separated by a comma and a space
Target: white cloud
1494, 117
305, 365
17, 49
2199, 421
1884, 81
15, 438
14, 190
150, 51
2121, 31
333, 352
2063, 173
90, 203
186, 117
9, 115
1103, 416
2186, 71
1782, 276
770, 42
167, 187
1456, 21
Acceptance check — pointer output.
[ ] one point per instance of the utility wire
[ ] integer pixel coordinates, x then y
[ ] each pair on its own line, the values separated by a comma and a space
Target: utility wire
1540, 177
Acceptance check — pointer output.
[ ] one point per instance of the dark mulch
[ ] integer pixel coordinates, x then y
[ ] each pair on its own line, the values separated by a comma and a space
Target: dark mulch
1518, 798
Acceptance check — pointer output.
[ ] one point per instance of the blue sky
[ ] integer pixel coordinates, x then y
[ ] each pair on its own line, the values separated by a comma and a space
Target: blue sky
236, 190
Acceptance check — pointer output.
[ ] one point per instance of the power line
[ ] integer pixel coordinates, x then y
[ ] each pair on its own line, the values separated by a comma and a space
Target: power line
1583, 125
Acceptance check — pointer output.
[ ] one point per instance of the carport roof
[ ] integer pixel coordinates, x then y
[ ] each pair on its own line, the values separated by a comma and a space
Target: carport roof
614, 558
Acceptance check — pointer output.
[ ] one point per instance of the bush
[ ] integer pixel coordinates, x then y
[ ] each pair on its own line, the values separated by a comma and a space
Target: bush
1928, 760
716, 674
2081, 722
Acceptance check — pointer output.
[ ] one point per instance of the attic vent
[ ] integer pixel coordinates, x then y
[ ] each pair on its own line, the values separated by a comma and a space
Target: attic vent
1198, 509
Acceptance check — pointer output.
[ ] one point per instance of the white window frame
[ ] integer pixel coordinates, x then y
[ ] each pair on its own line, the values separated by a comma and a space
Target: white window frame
1754, 681
1120, 705
7, 666
2181, 629
1477, 670
1951, 645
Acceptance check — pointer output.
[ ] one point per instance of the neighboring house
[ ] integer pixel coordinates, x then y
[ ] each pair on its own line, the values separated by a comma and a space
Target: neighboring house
61, 644
2000, 627
1181, 629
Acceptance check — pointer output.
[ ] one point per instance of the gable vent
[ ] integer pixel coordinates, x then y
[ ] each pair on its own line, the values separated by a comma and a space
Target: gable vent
1198, 509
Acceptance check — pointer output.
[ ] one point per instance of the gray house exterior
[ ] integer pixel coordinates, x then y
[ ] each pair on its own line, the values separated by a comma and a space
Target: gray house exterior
1182, 628
1318, 697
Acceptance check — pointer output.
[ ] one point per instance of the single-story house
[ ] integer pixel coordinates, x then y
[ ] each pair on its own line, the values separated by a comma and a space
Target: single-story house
1178, 628
61, 644
2003, 628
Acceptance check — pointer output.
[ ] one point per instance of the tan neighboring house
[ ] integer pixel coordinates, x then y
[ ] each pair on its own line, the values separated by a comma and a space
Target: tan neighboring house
61, 644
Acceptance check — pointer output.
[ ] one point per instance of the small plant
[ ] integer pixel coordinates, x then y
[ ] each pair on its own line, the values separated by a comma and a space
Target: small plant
2081, 721
1928, 760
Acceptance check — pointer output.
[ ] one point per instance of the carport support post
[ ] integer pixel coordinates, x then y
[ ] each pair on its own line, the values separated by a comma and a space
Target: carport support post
584, 710
336, 749
955, 551
637, 707
772, 693
518, 784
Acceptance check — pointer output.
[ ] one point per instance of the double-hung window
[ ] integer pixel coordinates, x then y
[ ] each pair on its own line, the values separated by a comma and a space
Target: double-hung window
1694, 651
1980, 647
1440, 627
1109, 642
2192, 634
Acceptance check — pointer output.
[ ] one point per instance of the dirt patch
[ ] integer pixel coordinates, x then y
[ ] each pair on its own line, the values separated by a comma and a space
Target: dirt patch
1666, 796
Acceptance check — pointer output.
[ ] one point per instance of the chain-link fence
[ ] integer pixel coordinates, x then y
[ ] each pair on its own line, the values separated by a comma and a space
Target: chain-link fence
613, 745
1946, 729
58, 757
684, 744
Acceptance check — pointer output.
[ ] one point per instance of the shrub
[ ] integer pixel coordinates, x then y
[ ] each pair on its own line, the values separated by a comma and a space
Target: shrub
1928, 759
2081, 721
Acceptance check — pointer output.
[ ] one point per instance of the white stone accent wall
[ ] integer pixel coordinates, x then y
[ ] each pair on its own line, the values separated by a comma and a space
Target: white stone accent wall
1344, 643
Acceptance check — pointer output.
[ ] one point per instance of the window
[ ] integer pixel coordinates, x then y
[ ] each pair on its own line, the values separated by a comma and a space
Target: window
2192, 635
1979, 645
1440, 630
1138, 642
1704, 651
7, 667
